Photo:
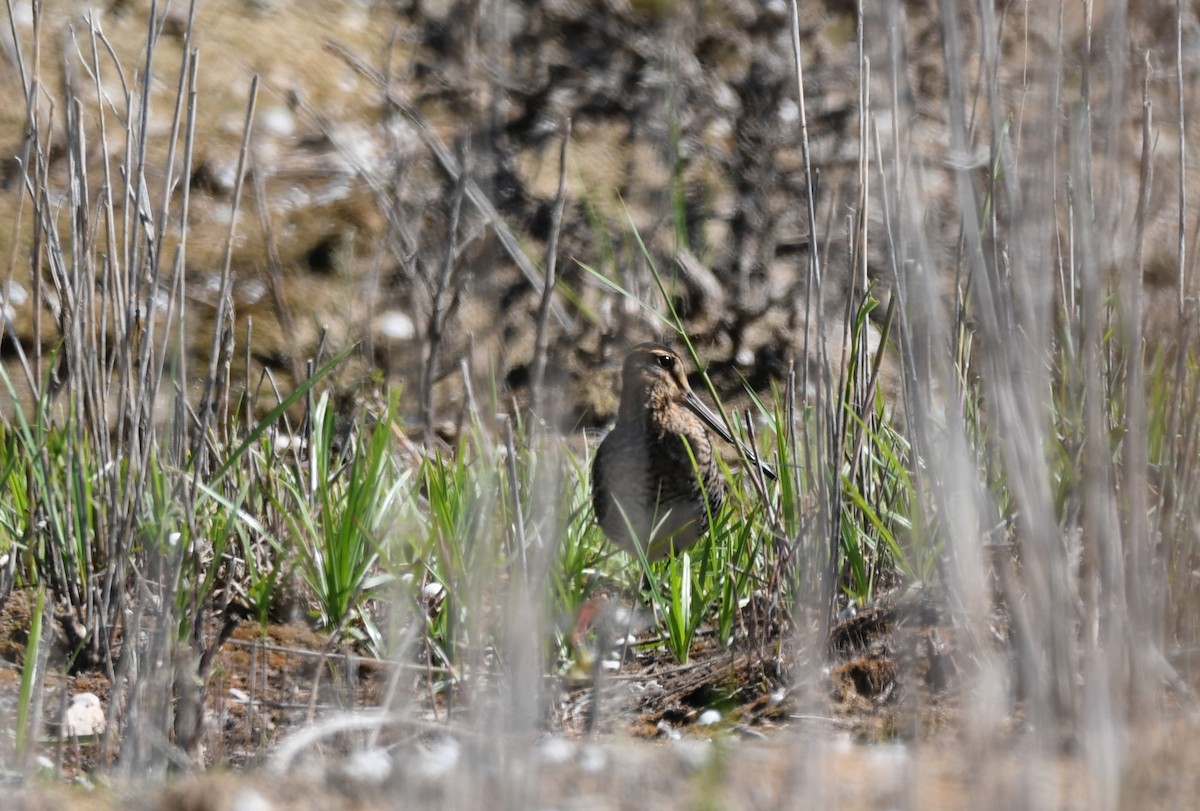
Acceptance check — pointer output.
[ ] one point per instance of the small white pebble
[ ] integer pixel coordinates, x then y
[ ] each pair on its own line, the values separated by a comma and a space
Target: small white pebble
789, 112
16, 294
396, 326
720, 130
370, 766
85, 716
251, 291
555, 751
247, 799
278, 121
708, 718
439, 759
288, 444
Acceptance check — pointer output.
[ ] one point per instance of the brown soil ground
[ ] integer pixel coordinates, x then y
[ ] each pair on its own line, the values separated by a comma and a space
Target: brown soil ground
888, 675
657, 92
292, 721
351, 223
732, 774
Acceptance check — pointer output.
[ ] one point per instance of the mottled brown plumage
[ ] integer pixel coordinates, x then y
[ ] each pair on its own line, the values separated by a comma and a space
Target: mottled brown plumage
645, 488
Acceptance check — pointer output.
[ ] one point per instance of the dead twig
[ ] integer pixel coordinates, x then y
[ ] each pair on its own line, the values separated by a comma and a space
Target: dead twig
542, 338
452, 168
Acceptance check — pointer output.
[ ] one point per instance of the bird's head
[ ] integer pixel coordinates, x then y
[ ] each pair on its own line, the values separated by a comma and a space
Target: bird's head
653, 375
654, 383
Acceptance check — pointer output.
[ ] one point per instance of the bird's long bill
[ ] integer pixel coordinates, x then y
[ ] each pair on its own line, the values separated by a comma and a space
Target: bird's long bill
698, 408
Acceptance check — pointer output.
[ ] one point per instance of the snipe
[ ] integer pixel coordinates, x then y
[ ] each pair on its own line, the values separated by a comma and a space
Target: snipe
646, 489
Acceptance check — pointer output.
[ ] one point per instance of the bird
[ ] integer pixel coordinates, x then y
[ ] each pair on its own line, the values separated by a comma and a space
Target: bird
655, 477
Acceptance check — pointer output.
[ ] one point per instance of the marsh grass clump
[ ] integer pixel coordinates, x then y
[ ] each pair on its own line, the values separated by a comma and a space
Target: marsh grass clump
961, 487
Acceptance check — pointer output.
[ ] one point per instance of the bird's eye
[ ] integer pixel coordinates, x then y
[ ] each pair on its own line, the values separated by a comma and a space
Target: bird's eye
666, 361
